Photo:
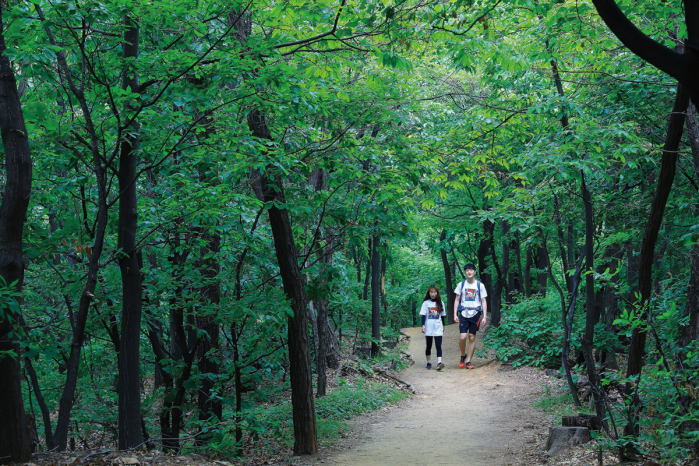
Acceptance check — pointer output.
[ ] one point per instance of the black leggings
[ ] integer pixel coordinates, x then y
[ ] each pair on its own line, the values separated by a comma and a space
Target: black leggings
437, 343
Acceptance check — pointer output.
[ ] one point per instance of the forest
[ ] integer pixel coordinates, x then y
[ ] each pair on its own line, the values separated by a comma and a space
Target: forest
206, 205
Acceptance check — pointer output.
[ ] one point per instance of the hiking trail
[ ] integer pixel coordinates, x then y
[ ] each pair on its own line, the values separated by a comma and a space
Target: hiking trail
483, 416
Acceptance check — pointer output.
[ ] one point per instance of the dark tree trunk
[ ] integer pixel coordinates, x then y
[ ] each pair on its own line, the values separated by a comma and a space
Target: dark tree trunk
561, 247
238, 381
129, 381
507, 275
484, 250
518, 279
208, 351
567, 321
650, 237
45, 414
384, 303
541, 265
14, 445
449, 295
207, 315
527, 273
681, 65
495, 295
305, 430
367, 274
375, 296
592, 311
324, 329
412, 310
690, 332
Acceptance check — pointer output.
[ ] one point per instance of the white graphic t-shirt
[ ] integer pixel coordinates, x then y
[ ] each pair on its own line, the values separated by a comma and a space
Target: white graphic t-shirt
471, 296
433, 323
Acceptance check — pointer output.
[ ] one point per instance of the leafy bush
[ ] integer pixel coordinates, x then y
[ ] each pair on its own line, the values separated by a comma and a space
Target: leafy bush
530, 332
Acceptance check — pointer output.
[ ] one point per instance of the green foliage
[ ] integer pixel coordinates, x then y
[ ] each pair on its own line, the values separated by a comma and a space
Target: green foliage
530, 334
272, 425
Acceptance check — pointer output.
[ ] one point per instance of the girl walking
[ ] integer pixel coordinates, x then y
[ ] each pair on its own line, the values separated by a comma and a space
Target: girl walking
433, 316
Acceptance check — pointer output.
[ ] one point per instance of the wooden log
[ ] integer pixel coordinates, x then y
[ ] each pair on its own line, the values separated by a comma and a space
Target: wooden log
404, 333
397, 379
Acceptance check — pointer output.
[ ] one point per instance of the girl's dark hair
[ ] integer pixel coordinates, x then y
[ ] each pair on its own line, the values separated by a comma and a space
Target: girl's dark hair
438, 300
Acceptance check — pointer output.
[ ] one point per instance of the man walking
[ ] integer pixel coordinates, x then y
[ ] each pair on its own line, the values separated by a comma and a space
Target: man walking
470, 309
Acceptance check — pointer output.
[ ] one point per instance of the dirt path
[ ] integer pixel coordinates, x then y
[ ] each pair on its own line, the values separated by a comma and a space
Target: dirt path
466, 417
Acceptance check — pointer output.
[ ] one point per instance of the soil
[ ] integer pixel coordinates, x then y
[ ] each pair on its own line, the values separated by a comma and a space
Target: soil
482, 416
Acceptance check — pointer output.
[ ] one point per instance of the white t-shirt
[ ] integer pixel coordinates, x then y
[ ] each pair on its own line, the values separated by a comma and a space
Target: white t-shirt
433, 323
471, 297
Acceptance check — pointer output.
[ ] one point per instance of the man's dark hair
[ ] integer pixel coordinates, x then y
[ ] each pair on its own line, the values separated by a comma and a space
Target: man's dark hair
469, 266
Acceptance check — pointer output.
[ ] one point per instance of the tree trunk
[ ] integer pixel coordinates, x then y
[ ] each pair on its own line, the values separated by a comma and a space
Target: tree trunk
561, 246
495, 304
541, 265
14, 444
591, 309
384, 303
518, 279
650, 237
527, 273
208, 350
324, 329
507, 275
449, 295
129, 380
484, 250
303, 406
375, 296
690, 332
45, 413
367, 274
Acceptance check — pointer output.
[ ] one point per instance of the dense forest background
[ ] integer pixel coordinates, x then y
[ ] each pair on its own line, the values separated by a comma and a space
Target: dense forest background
206, 204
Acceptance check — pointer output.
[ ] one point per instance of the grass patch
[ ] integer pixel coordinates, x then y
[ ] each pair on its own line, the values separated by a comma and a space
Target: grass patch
350, 399
559, 402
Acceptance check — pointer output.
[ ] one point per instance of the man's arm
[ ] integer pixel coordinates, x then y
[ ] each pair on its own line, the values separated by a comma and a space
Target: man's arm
484, 305
456, 308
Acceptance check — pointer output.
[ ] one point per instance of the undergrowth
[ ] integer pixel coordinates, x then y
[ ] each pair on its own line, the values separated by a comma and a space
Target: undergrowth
272, 427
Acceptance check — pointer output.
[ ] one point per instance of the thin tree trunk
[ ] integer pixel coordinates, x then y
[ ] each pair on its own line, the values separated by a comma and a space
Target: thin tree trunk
650, 237
519, 277
45, 414
561, 246
384, 304
14, 444
541, 265
375, 296
303, 406
494, 307
505, 228
591, 310
367, 274
450, 296
484, 250
527, 273
565, 363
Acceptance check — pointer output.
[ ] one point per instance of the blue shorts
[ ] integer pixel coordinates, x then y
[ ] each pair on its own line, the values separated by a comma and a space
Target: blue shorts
470, 324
